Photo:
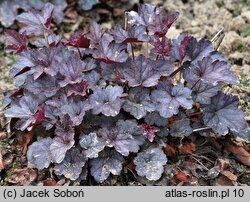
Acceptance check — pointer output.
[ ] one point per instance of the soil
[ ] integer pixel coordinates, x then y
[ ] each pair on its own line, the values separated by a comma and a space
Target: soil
192, 161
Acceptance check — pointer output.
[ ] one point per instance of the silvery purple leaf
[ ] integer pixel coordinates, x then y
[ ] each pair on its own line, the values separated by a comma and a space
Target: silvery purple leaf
91, 144
95, 33
168, 98
181, 128
138, 103
146, 15
107, 101
202, 92
46, 85
25, 109
92, 78
110, 52
72, 70
140, 72
71, 166
210, 71
58, 14
59, 147
8, 12
39, 153
122, 137
109, 161
35, 21
245, 134
150, 163
87, 4
223, 114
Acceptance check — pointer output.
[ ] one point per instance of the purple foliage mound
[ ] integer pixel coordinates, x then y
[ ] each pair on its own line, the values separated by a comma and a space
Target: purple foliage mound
100, 102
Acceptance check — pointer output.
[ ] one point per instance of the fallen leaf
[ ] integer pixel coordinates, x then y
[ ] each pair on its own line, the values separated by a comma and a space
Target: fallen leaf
1, 161
23, 176
7, 160
52, 182
27, 138
223, 181
49, 182
187, 148
182, 176
229, 175
191, 167
170, 150
3, 135
223, 164
239, 152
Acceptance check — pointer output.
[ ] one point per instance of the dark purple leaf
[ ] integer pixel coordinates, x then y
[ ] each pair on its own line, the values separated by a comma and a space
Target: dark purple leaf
35, 21
196, 50
168, 98
134, 34
91, 144
53, 41
15, 42
150, 163
223, 114
181, 128
107, 162
202, 92
161, 25
22, 65
39, 153
71, 166
77, 89
179, 45
107, 101
149, 131
140, 72
63, 141
78, 40
122, 137
210, 71
162, 46
40, 116
138, 103
26, 109
155, 119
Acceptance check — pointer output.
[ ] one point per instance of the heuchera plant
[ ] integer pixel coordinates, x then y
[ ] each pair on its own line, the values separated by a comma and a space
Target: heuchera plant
101, 102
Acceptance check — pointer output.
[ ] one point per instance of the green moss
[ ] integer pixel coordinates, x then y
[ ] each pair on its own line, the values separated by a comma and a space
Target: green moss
244, 81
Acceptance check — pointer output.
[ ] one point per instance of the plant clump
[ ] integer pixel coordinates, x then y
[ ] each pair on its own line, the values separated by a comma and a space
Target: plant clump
101, 102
